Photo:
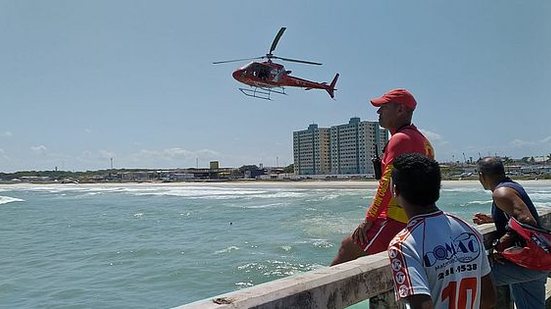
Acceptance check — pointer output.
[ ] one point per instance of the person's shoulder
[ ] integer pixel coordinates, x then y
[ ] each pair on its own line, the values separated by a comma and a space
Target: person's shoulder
400, 135
399, 140
407, 232
402, 241
414, 227
453, 216
504, 193
408, 135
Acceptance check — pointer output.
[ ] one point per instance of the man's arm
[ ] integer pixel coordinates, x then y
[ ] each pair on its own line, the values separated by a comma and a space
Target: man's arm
382, 196
488, 292
379, 204
359, 234
510, 202
398, 144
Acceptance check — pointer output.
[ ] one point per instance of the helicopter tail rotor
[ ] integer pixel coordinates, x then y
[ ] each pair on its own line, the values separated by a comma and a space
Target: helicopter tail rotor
331, 89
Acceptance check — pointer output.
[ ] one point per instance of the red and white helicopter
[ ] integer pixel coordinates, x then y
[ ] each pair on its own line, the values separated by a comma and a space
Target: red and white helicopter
268, 77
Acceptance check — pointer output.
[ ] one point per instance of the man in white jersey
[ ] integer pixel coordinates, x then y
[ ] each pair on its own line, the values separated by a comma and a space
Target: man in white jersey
438, 260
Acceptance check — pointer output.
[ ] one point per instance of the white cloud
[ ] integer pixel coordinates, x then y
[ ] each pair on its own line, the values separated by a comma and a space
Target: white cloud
104, 154
518, 148
431, 135
522, 143
40, 149
94, 159
434, 137
7, 134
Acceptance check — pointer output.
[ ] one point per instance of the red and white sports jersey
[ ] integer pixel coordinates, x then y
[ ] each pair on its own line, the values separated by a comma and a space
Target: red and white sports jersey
442, 256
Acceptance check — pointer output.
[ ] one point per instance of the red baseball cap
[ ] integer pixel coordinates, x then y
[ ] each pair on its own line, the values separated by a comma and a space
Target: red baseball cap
400, 96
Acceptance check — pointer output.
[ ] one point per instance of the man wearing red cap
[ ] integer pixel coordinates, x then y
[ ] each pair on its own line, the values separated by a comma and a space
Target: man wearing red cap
384, 218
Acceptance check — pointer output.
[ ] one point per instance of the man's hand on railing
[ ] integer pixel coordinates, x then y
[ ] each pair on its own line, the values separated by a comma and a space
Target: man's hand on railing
480, 218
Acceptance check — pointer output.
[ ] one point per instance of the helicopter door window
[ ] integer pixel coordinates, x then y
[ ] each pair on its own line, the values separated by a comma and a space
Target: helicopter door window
263, 73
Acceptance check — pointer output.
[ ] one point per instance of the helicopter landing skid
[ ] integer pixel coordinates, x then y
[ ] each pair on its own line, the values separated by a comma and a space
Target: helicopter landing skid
262, 93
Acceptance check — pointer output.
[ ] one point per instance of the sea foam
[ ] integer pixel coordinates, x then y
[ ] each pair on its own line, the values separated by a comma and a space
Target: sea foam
8, 199
477, 203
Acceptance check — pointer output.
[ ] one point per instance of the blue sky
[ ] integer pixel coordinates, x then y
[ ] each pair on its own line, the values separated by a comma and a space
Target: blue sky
85, 81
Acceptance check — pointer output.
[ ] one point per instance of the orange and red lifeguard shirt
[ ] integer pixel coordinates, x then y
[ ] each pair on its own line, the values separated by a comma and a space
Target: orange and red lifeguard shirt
406, 139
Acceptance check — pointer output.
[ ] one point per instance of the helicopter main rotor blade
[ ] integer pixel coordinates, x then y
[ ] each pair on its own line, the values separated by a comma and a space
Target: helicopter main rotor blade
237, 60
294, 60
276, 40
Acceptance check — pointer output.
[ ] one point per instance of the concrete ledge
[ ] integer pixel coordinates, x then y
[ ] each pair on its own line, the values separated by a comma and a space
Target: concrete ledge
328, 287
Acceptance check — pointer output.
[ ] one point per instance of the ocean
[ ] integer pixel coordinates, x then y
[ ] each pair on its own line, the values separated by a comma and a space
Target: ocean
164, 245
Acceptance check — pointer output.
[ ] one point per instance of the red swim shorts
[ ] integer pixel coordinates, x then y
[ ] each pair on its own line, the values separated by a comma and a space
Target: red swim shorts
380, 235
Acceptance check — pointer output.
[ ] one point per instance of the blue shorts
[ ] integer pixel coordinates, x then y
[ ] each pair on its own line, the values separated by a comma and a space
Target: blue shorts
527, 285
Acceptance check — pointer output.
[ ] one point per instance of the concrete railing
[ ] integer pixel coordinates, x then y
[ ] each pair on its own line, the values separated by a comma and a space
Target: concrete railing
330, 287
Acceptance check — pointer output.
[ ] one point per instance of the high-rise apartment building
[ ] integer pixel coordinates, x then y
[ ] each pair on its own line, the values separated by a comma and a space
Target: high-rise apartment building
311, 151
341, 149
353, 146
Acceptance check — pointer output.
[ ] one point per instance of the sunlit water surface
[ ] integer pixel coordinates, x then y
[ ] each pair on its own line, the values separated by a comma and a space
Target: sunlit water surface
159, 246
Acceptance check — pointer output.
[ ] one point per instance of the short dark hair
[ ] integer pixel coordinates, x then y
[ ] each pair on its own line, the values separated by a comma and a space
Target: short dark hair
418, 178
491, 166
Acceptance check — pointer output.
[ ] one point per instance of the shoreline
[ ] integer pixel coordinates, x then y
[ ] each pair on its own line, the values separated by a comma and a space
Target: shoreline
341, 184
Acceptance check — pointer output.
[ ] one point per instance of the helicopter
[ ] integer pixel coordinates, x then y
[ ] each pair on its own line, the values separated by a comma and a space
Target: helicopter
268, 77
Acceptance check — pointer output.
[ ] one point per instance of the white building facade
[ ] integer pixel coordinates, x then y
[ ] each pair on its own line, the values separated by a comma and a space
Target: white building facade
311, 151
341, 149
